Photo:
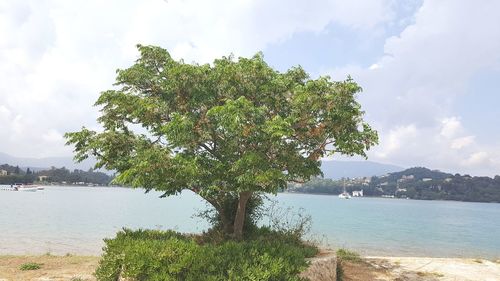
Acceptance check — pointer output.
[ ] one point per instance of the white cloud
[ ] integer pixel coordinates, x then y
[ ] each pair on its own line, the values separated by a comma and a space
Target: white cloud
450, 127
416, 83
56, 56
462, 142
53, 136
397, 138
477, 158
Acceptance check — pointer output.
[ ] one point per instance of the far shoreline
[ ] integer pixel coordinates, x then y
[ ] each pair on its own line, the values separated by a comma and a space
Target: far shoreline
380, 197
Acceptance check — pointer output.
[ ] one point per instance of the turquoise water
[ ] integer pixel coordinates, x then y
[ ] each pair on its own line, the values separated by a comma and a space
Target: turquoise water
75, 220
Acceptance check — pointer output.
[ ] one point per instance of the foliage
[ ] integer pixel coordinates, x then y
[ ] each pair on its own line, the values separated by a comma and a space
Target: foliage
318, 185
223, 131
18, 175
287, 221
30, 266
425, 184
11, 170
15, 175
347, 255
254, 212
167, 255
75, 176
15, 178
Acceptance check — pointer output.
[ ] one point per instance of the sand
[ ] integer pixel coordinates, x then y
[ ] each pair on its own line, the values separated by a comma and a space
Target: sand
423, 269
67, 268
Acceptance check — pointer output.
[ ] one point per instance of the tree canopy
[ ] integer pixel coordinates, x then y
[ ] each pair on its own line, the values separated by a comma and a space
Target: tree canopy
236, 126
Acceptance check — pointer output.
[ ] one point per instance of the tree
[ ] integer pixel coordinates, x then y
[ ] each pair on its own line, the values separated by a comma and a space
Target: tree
233, 129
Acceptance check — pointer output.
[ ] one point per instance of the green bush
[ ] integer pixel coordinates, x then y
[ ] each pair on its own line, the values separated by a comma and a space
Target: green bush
167, 255
30, 266
347, 255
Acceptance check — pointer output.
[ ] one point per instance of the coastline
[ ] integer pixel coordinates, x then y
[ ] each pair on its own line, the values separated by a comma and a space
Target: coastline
371, 267
392, 198
425, 268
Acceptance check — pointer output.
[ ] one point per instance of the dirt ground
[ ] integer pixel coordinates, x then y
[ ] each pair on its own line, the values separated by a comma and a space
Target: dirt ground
53, 268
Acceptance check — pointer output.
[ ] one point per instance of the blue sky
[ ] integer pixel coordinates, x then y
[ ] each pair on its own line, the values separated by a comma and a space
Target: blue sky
429, 69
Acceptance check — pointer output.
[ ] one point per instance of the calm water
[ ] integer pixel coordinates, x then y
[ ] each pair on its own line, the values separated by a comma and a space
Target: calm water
75, 219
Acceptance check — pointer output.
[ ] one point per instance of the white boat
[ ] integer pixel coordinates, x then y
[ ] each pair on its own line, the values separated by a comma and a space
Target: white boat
344, 194
26, 187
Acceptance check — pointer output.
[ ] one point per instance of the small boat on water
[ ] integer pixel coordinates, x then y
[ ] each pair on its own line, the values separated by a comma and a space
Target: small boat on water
25, 187
28, 189
21, 187
344, 194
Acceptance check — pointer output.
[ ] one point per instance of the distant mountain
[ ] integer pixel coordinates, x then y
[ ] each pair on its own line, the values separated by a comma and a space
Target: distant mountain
354, 169
331, 169
37, 164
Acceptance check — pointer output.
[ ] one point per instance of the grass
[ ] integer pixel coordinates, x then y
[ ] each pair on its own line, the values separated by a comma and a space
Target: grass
347, 255
30, 266
344, 255
77, 279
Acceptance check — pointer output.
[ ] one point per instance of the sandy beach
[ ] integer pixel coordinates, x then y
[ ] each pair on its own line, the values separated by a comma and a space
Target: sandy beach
59, 268
53, 268
422, 269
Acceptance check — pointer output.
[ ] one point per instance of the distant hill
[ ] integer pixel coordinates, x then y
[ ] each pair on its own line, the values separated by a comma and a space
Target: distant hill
52, 175
38, 164
355, 169
413, 183
418, 173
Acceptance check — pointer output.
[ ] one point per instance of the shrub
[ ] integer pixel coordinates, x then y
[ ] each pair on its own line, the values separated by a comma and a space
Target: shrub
295, 223
167, 255
30, 266
347, 255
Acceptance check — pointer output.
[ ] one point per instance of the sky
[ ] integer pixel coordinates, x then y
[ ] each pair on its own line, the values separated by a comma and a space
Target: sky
429, 69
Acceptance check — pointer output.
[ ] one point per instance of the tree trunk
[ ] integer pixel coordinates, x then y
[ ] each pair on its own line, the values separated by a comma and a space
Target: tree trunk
227, 226
239, 219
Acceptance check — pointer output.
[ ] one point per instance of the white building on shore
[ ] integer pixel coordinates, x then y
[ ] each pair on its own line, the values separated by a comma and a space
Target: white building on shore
357, 193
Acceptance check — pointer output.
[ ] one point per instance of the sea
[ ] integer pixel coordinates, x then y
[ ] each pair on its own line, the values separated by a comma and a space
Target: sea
74, 220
